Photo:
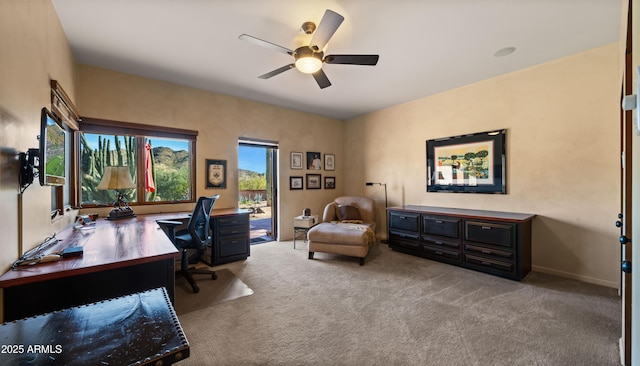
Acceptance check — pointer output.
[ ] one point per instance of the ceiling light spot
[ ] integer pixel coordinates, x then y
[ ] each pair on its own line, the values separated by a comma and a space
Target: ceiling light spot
504, 51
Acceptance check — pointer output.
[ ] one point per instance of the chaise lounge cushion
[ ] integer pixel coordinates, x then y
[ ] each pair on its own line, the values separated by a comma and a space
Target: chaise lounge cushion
347, 228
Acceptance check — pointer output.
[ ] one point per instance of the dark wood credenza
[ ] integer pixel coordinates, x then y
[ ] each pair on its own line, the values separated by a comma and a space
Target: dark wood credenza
493, 242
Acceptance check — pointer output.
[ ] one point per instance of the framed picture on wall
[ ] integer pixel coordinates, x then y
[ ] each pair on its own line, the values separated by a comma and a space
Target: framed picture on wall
295, 183
329, 162
313, 161
329, 182
296, 160
216, 173
313, 181
473, 163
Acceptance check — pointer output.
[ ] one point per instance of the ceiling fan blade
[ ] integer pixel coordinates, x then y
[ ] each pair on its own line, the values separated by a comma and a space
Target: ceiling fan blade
352, 59
263, 43
321, 79
328, 25
277, 71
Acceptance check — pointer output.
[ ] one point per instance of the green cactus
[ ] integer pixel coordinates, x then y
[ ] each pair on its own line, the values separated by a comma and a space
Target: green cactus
94, 163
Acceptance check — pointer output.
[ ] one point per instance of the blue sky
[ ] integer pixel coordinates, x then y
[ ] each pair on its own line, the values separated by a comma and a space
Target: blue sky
249, 157
252, 158
175, 145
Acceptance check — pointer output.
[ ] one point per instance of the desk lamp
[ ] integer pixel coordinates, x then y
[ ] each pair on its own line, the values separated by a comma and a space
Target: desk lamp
118, 178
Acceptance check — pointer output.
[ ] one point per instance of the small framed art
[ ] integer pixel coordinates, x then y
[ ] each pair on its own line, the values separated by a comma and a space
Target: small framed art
296, 160
329, 182
313, 181
313, 161
329, 162
295, 183
216, 173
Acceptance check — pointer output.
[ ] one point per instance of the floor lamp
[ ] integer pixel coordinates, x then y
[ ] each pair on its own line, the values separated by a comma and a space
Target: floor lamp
386, 203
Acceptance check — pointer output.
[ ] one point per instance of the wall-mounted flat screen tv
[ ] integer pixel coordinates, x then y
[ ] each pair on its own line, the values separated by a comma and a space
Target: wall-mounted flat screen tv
53, 144
473, 163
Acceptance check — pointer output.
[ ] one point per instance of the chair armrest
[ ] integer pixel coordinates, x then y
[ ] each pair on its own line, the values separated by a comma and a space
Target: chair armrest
169, 222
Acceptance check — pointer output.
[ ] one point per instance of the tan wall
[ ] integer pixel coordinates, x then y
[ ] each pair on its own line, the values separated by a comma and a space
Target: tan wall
562, 144
563, 164
33, 50
220, 120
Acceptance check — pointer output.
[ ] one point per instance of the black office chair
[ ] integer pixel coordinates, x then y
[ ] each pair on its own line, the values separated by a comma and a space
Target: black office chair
196, 236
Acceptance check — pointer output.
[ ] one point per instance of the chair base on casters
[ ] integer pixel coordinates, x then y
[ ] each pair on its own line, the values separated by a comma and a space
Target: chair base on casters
187, 273
189, 276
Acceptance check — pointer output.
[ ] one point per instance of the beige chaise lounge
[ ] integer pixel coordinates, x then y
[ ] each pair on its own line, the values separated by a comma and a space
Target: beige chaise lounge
347, 228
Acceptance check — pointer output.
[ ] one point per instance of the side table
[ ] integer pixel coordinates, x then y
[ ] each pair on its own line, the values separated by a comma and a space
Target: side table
297, 230
301, 225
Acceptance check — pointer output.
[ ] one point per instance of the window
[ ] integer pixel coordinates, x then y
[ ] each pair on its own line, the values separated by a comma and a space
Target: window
160, 160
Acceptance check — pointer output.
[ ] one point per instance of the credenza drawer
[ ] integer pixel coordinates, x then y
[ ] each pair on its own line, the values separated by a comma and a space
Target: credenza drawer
489, 263
502, 234
404, 221
444, 226
439, 242
503, 254
441, 252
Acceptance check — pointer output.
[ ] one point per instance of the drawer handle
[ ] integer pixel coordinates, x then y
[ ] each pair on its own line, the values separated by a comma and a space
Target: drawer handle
486, 264
403, 217
485, 251
486, 227
438, 243
438, 252
439, 222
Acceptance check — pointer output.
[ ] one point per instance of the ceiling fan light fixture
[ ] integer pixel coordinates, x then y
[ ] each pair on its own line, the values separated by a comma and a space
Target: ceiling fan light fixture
309, 64
308, 61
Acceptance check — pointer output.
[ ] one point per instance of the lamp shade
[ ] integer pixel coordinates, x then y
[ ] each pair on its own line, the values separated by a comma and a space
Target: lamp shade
116, 177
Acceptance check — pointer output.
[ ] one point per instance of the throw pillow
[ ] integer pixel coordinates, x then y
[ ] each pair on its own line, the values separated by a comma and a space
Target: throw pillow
346, 212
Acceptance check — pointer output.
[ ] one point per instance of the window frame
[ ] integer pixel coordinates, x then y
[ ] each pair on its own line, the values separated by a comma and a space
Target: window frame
140, 132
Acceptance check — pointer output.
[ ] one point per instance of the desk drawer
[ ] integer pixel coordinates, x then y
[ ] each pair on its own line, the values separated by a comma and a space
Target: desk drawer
232, 221
233, 246
233, 230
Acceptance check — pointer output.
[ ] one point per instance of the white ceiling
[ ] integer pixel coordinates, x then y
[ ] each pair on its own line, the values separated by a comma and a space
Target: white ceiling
425, 46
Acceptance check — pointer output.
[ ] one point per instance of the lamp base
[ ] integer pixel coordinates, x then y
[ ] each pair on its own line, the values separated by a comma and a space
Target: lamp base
121, 213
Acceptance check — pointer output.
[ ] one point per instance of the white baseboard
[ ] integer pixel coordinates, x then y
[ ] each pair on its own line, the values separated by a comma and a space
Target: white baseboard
595, 281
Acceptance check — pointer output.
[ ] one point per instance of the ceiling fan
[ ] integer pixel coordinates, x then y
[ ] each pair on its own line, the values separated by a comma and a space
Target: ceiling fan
308, 54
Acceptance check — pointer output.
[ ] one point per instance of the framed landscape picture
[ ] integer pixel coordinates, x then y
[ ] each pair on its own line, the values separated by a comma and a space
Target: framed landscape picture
473, 163
313, 181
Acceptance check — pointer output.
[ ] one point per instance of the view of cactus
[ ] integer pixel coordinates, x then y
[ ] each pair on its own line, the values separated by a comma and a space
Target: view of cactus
169, 169
93, 162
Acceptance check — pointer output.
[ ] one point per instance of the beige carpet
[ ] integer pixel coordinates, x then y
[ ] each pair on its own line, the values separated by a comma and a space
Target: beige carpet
399, 310
226, 287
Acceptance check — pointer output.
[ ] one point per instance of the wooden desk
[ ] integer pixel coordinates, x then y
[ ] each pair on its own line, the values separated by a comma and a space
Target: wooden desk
137, 329
120, 257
